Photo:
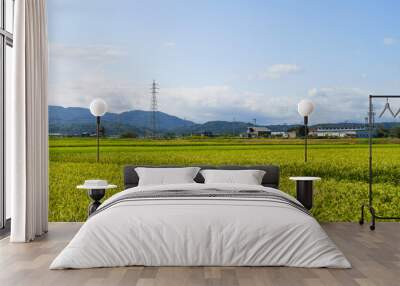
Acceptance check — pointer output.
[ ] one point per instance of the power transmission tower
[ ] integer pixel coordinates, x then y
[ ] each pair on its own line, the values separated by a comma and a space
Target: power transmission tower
233, 127
153, 109
371, 114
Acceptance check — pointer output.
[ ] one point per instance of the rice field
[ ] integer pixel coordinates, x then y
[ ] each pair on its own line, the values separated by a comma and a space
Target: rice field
342, 164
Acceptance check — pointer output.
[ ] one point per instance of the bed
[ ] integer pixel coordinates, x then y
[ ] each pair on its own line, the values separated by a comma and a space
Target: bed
198, 224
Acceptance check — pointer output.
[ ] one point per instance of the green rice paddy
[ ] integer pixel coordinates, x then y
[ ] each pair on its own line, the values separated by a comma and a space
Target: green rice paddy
342, 164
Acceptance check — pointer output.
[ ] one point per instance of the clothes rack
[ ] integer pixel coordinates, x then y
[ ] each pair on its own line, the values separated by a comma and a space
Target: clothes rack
370, 206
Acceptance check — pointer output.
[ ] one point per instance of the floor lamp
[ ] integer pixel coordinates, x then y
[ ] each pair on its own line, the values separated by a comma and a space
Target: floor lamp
98, 108
305, 107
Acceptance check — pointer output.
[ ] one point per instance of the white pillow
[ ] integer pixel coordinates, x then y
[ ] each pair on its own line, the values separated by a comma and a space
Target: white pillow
166, 176
248, 177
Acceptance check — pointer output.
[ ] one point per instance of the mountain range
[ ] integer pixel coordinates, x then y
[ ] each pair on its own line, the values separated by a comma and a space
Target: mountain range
78, 120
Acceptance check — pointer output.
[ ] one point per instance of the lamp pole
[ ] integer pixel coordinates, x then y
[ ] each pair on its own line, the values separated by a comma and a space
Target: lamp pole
98, 108
305, 137
305, 107
98, 137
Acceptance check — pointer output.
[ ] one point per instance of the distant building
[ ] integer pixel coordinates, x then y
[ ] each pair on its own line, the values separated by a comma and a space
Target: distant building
281, 134
56, 134
284, 134
365, 133
258, 131
204, 134
292, 134
338, 132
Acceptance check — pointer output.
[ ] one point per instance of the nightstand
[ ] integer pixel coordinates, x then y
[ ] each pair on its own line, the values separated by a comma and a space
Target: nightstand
304, 190
96, 193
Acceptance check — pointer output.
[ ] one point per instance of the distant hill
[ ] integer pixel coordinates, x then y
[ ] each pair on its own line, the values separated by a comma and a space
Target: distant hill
77, 120
215, 127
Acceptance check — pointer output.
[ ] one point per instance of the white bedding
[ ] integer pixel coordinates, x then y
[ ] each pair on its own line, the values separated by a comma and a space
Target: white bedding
200, 231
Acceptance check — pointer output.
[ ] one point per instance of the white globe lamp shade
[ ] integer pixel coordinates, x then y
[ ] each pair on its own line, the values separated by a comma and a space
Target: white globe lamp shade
98, 107
305, 107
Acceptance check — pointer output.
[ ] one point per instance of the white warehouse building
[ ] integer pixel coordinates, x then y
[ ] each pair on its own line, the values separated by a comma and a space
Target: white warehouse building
336, 132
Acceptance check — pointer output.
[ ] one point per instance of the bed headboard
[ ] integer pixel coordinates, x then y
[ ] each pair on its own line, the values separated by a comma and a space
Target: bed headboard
271, 177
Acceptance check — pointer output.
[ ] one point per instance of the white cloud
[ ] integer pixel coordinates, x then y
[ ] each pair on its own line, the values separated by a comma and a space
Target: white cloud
217, 102
279, 70
200, 104
81, 73
388, 41
169, 44
338, 104
94, 53
69, 63
119, 95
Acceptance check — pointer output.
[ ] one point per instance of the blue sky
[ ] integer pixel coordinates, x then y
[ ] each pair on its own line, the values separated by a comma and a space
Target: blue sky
225, 60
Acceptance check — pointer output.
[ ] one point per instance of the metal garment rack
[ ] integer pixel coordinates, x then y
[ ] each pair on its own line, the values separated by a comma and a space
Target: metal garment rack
370, 206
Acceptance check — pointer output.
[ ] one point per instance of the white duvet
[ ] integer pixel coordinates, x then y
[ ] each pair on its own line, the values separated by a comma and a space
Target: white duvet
200, 231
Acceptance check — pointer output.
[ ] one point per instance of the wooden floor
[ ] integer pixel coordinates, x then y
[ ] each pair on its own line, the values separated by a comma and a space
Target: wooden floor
375, 257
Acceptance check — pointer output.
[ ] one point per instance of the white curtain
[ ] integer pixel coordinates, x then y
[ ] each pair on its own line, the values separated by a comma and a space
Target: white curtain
28, 123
